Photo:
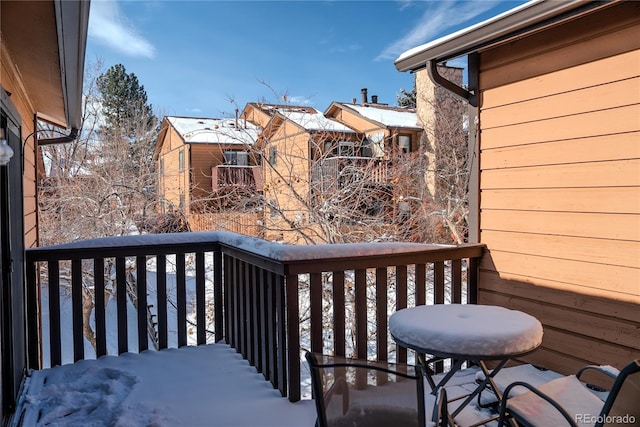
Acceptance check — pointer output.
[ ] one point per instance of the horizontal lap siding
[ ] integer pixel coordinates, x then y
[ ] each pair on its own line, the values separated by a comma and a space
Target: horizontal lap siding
560, 187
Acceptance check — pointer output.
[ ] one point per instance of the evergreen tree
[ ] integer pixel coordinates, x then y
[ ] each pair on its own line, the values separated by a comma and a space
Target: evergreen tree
124, 103
407, 98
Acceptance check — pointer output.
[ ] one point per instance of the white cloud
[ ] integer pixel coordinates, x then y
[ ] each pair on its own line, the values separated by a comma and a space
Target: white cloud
299, 100
109, 28
345, 48
436, 19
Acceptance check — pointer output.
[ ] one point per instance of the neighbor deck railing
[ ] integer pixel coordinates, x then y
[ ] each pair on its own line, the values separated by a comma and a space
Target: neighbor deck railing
268, 301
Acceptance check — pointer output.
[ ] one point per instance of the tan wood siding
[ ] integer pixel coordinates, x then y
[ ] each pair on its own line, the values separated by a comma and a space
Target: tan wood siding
560, 185
11, 82
203, 157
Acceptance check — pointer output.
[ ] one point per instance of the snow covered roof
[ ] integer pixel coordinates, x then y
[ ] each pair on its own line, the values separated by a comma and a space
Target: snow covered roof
316, 121
307, 117
387, 116
214, 131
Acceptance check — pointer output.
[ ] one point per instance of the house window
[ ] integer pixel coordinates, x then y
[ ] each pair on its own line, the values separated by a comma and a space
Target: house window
345, 148
273, 153
329, 147
182, 201
404, 143
181, 161
240, 158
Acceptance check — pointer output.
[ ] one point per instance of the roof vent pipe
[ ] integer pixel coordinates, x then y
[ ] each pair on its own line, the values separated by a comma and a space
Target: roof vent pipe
364, 95
353, 100
236, 118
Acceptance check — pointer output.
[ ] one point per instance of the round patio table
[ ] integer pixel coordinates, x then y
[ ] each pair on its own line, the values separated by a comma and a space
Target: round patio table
474, 332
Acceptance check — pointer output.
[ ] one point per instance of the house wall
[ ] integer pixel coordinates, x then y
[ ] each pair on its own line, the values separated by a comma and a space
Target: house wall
203, 158
287, 182
432, 100
11, 82
560, 185
172, 181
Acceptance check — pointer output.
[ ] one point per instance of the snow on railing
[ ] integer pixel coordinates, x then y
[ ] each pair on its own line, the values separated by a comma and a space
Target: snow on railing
267, 300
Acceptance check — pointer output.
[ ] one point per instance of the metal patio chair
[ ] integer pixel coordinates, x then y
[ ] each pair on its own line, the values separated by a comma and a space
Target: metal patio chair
568, 401
351, 392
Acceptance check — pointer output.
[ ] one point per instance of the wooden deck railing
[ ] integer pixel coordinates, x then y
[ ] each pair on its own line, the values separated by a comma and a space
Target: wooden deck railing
268, 301
332, 173
247, 177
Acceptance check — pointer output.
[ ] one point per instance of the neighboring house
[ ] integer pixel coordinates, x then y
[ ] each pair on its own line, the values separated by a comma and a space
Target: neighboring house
42, 47
389, 131
293, 138
554, 94
202, 160
288, 159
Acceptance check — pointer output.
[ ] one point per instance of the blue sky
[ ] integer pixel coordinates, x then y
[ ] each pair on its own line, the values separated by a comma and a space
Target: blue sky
198, 58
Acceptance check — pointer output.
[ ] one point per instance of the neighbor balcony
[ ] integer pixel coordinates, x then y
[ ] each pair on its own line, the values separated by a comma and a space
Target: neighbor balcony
237, 176
332, 173
268, 301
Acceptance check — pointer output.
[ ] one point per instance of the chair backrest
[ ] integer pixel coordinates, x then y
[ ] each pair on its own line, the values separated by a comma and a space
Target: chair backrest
351, 392
622, 406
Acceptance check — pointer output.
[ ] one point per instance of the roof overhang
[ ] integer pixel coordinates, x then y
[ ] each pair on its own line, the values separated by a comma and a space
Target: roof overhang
47, 42
528, 17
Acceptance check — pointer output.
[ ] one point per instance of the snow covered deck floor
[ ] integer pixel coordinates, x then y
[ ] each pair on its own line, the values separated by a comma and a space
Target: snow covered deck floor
193, 386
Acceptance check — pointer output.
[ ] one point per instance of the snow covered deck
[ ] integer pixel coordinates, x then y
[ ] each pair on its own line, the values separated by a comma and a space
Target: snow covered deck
192, 386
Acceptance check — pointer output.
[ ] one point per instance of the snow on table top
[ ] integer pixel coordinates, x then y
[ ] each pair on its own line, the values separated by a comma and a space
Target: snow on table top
466, 329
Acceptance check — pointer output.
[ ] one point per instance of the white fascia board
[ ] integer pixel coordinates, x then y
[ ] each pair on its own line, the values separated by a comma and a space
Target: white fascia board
72, 21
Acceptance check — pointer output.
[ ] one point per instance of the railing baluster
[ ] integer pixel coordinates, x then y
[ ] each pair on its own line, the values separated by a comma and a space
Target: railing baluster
281, 334
54, 313
121, 300
272, 340
339, 339
76, 309
401, 302
438, 296
218, 312
382, 342
315, 295
293, 337
229, 331
456, 281
256, 336
438, 282
181, 299
161, 280
247, 317
200, 300
33, 316
421, 286
472, 281
99, 311
361, 313
141, 299
242, 308
260, 319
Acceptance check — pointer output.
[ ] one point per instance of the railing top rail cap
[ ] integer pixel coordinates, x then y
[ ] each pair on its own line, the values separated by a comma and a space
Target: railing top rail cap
258, 247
